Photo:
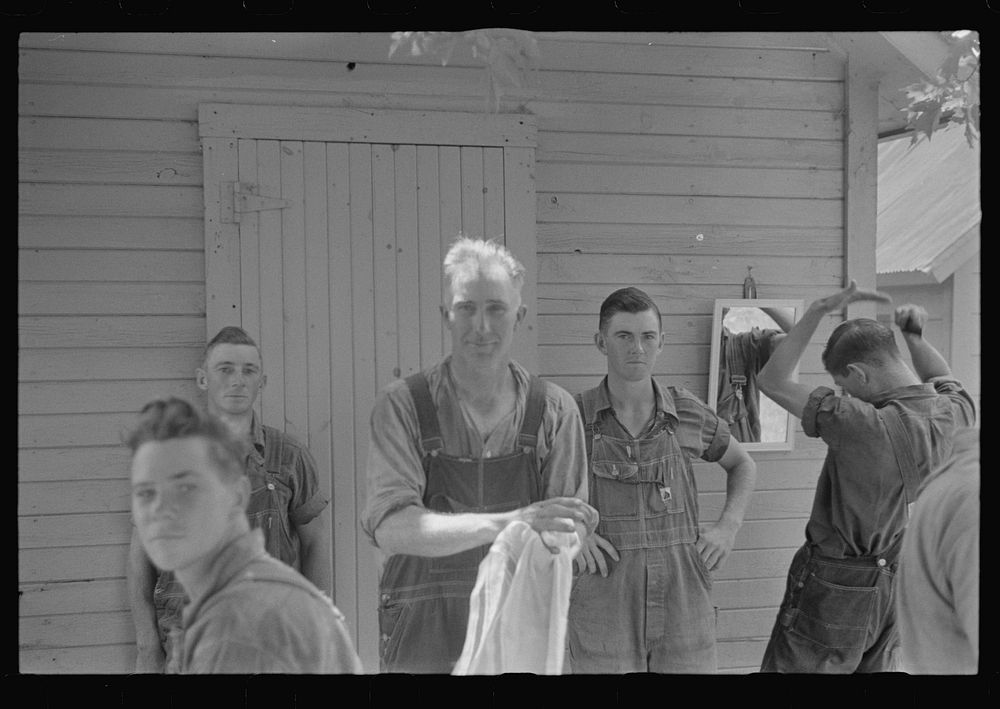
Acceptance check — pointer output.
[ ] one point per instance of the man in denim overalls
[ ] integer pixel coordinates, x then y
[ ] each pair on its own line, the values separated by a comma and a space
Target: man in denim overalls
285, 504
458, 451
892, 426
650, 608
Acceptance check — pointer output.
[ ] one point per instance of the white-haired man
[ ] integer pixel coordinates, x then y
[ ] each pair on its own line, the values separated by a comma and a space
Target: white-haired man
457, 452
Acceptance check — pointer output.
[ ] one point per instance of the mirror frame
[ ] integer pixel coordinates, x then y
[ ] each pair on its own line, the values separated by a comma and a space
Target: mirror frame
713, 372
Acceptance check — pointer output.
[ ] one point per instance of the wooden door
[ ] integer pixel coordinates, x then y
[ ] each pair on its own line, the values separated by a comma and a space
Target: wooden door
328, 251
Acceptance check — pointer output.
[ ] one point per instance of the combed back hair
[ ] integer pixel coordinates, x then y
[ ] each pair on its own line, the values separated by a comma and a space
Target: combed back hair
231, 335
859, 340
468, 256
627, 300
172, 418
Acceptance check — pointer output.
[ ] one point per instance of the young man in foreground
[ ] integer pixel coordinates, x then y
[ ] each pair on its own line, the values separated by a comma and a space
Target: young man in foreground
248, 612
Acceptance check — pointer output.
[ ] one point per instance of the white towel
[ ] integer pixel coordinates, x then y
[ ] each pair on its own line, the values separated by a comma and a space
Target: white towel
518, 608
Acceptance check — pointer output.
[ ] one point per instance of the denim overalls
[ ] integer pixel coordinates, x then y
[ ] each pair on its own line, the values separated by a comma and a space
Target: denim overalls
270, 495
653, 613
424, 601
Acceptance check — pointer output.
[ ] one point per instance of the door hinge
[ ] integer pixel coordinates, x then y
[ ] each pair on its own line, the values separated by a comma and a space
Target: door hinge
238, 198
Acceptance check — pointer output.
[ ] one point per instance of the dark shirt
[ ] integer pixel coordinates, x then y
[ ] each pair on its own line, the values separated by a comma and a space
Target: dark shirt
860, 507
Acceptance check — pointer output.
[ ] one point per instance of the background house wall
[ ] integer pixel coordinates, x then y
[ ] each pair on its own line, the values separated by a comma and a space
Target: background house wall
953, 326
670, 162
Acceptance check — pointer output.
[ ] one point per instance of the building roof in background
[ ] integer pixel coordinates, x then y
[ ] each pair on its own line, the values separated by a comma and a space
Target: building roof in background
928, 204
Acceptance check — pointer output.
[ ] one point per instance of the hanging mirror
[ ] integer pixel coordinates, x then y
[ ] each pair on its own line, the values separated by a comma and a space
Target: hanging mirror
744, 333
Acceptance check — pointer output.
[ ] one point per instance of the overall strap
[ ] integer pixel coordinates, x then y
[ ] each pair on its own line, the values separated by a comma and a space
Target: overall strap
534, 409
427, 420
901, 448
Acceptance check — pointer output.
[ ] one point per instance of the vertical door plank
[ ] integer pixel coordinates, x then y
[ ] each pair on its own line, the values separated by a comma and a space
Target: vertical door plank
271, 337
293, 264
222, 240
429, 224
493, 193
363, 338
407, 261
384, 251
519, 213
473, 218
345, 467
317, 317
249, 227
450, 171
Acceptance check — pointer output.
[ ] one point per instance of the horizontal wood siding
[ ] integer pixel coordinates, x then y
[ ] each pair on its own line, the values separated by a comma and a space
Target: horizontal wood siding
667, 161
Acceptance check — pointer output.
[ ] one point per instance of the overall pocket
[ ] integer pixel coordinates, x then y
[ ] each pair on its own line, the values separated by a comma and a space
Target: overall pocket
832, 615
614, 497
268, 511
392, 616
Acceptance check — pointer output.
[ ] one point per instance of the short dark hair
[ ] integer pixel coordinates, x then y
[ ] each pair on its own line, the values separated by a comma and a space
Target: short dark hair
231, 335
859, 340
627, 300
172, 418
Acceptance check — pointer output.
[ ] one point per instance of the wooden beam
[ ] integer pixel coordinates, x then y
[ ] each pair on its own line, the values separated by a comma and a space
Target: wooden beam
861, 179
322, 123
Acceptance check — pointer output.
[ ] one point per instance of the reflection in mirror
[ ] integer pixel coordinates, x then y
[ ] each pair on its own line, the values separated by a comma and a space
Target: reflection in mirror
744, 333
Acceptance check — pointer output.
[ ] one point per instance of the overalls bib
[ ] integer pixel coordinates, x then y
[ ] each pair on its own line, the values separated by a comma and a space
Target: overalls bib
653, 612
268, 497
424, 601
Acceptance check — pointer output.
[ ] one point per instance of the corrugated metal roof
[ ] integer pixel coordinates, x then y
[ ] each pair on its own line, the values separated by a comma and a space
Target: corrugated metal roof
928, 201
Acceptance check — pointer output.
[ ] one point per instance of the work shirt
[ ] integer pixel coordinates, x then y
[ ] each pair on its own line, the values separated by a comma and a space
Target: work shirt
938, 586
285, 492
860, 506
285, 495
395, 470
261, 616
653, 612
700, 433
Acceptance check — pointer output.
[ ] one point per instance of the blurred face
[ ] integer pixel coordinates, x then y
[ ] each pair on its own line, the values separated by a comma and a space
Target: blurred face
231, 377
632, 342
182, 510
482, 313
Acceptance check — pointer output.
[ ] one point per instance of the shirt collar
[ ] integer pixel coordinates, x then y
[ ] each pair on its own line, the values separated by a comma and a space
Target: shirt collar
665, 408
910, 391
229, 561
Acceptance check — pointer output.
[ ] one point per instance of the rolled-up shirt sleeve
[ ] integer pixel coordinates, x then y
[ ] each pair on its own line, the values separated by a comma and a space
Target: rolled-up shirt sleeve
715, 436
562, 449
700, 432
838, 419
946, 386
821, 399
307, 499
395, 474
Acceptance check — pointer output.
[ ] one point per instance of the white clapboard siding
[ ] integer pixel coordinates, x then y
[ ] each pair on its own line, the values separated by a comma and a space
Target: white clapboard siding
670, 161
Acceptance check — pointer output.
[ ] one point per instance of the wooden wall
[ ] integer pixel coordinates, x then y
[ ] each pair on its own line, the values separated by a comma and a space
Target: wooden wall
953, 327
671, 162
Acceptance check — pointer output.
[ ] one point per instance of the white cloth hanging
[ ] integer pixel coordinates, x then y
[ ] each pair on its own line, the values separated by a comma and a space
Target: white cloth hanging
518, 608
